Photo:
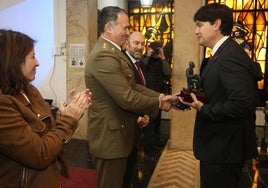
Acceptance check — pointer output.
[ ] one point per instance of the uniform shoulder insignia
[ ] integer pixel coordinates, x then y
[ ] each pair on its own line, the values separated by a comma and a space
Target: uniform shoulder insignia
104, 45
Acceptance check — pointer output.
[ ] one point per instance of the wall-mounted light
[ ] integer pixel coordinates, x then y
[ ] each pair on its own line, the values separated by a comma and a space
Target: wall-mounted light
146, 3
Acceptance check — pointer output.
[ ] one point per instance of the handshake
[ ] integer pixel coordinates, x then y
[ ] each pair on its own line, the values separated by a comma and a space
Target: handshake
167, 101
179, 102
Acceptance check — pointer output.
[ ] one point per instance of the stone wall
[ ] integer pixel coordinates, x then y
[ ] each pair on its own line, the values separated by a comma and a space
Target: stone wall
186, 49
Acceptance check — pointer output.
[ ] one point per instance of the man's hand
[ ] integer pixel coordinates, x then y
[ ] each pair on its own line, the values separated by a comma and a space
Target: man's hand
165, 104
149, 51
143, 121
173, 99
160, 53
196, 104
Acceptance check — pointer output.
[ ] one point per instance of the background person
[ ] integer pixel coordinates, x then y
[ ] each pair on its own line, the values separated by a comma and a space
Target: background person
224, 136
257, 72
157, 68
157, 72
31, 141
134, 48
117, 99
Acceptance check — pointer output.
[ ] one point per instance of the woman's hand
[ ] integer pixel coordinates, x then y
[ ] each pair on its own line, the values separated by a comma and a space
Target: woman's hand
77, 104
70, 95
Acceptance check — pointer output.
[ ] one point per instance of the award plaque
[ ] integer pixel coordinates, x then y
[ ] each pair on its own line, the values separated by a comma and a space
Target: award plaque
193, 84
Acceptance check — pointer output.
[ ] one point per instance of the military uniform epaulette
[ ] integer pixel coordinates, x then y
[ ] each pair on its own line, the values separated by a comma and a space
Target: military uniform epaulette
106, 45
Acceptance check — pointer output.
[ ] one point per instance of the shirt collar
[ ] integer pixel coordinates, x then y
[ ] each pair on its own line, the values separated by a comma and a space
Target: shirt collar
131, 58
218, 44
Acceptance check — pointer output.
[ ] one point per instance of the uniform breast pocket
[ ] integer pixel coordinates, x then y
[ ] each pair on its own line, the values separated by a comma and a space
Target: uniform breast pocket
115, 125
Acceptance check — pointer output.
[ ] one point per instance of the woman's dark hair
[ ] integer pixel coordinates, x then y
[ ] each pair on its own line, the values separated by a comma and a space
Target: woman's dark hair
108, 14
14, 47
214, 11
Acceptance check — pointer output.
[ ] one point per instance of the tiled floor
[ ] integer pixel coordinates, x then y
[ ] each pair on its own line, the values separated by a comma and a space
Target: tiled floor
166, 168
179, 169
176, 169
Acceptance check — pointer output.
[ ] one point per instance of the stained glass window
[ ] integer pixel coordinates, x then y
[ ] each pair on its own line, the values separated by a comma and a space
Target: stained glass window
156, 23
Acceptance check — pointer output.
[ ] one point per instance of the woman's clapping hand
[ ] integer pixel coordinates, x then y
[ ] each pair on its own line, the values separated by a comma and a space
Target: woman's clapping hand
77, 104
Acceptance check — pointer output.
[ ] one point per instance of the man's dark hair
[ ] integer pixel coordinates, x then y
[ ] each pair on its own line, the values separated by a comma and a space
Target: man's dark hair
214, 11
108, 14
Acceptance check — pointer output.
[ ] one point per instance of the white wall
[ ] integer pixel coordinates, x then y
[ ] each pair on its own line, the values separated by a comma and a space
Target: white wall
44, 21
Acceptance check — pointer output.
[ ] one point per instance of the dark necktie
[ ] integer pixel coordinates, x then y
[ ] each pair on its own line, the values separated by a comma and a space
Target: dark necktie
140, 73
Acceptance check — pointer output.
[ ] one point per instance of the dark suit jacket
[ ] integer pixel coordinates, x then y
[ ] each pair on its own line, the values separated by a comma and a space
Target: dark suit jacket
116, 101
224, 127
136, 74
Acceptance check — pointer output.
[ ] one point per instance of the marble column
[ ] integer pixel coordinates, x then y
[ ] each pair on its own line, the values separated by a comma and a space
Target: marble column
186, 49
81, 28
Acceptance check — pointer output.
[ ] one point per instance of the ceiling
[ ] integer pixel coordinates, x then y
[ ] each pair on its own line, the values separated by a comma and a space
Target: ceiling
8, 3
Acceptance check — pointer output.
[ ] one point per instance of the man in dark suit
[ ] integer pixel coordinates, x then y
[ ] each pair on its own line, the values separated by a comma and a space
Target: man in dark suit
117, 100
133, 49
224, 136
158, 72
